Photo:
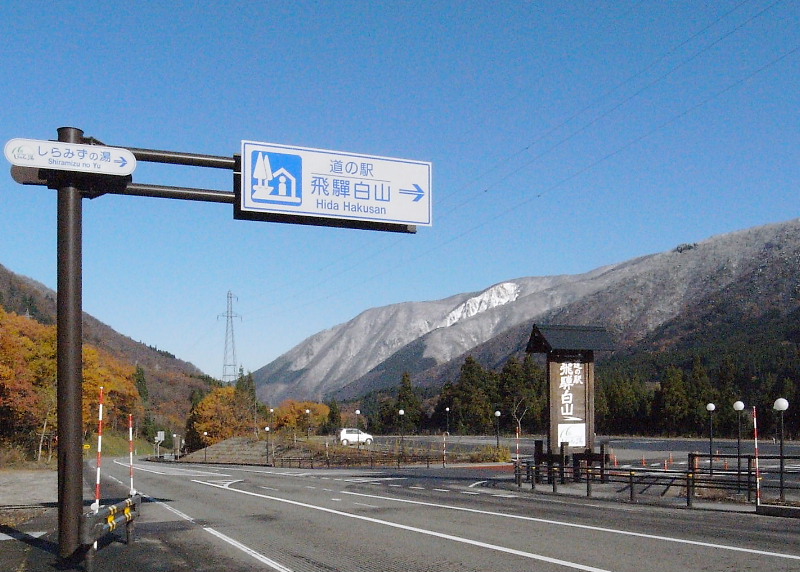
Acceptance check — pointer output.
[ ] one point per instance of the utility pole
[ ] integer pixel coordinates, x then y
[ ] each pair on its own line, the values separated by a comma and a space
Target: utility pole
229, 368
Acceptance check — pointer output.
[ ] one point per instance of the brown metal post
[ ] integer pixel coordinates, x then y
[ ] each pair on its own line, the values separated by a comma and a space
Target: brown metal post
538, 456
632, 485
603, 463
69, 363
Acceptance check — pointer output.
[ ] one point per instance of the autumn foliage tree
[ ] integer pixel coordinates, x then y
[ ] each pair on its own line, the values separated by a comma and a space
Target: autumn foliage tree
292, 414
28, 382
218, 416
27, 375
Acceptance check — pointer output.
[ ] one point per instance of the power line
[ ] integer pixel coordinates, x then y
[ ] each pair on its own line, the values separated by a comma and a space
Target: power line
340, 270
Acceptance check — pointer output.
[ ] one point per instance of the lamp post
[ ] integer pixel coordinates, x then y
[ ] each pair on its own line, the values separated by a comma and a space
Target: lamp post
358, 430
402, 431
497, 424
308, 424
266, 430
710, 408
205, 447
447, 413
781, 405
738, 406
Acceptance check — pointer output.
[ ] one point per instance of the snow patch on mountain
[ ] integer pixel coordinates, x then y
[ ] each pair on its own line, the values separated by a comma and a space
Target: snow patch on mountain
495, 296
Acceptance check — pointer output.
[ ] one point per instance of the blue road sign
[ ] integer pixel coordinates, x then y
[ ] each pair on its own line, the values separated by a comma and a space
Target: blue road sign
334, 184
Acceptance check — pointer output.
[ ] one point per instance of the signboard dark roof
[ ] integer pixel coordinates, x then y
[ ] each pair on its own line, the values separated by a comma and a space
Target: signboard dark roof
548, 338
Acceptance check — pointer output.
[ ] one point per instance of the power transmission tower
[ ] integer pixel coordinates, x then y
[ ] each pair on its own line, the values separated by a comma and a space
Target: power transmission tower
230, 372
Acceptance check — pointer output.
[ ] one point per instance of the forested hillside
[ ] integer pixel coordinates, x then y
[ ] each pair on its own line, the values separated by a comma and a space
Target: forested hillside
163, 386
28, 382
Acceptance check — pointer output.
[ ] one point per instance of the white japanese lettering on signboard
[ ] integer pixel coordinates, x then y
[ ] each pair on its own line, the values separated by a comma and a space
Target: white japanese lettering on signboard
334, 184
570, 395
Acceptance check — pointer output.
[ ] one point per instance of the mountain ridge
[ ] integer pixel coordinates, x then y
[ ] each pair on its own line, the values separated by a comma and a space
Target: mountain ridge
631, 299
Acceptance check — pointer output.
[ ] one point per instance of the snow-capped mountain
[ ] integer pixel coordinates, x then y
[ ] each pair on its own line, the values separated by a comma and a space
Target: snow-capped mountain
631, 299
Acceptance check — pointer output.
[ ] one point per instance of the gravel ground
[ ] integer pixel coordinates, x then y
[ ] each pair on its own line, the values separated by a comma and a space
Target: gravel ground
26, 493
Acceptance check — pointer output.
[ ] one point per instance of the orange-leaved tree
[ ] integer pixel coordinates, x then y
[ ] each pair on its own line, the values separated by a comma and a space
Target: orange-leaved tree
27, 375
292, 414
219, 416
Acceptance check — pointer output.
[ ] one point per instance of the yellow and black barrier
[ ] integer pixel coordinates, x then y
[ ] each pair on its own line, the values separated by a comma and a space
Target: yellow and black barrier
107, 519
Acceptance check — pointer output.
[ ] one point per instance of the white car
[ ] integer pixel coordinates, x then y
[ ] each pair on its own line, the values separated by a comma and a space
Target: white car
348, 436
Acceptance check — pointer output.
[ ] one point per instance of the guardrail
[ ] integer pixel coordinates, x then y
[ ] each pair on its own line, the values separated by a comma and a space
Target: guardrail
107, 518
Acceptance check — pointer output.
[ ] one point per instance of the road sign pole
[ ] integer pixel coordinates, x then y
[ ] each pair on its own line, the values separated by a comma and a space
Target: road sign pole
69, 364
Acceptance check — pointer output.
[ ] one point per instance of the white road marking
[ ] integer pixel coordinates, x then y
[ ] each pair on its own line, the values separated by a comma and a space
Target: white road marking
249, 551
20, 535
582, 526
479, 483
172, 471
462, 540
235, 543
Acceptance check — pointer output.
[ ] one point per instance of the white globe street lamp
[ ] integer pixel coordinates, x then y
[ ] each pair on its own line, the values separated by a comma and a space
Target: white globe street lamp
781, 405
497, 423
710, 408
738, 406
402, 431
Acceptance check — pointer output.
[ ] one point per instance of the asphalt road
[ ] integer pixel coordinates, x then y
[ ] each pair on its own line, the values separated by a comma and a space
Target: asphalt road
250, 518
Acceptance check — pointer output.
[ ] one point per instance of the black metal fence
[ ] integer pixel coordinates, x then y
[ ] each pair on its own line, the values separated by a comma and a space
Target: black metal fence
369, 459
714, 477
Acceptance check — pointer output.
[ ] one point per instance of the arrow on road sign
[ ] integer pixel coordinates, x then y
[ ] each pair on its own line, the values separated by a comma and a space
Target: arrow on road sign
416, 192
122, 162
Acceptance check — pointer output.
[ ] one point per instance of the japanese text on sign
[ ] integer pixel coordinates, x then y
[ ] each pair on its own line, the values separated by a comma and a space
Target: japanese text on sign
570, 374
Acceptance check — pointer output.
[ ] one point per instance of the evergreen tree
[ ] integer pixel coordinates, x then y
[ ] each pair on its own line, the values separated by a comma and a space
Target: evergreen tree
472, 408
540, 388
141, 384
410, 403
334, 420
675, 401
246, 386
701, 393
246, 401
442, 412
518, 397
147, 428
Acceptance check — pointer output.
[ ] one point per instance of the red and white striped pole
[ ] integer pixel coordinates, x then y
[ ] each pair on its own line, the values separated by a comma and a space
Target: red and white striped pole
96, 505
758, 475
130, 450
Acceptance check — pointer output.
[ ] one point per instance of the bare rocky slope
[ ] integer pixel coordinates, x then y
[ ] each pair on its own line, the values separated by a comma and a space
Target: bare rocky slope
754, 270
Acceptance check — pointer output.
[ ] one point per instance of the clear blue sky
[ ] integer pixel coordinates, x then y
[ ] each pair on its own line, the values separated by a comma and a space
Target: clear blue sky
563, 135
